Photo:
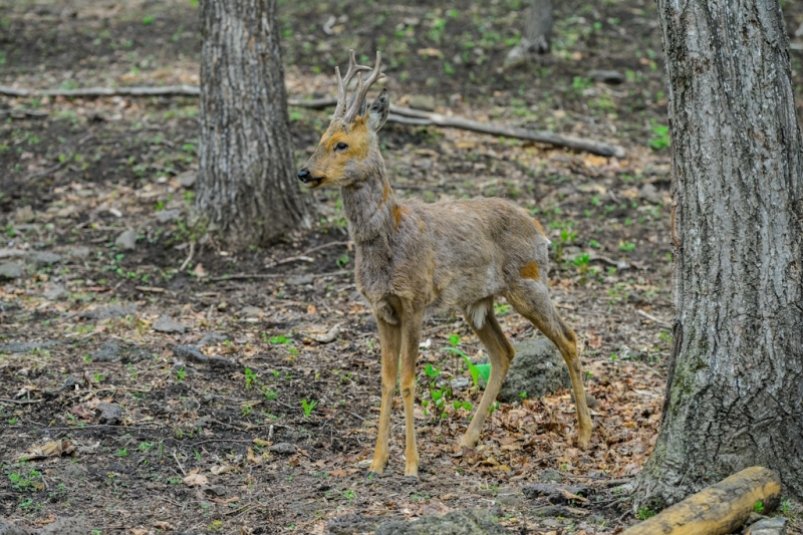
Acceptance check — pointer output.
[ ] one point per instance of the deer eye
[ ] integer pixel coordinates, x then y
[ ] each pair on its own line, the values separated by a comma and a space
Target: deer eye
341, 146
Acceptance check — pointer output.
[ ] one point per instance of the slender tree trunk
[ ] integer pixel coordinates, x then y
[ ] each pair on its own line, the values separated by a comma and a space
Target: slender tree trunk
538, 29
735, 391
246, 185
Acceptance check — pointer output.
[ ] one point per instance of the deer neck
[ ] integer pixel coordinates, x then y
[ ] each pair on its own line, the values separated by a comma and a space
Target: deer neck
369, 206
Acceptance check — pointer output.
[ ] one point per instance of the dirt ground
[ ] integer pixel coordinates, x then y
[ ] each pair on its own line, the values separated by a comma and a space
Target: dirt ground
103, 344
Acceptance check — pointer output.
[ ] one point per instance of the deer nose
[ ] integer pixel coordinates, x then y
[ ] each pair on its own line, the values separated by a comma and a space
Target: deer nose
304, 175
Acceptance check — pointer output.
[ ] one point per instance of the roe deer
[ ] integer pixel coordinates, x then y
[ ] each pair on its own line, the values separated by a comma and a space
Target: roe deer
412, 256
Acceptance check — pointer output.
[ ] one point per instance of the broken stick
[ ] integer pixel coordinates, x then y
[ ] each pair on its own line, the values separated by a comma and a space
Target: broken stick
716, 510
398, 114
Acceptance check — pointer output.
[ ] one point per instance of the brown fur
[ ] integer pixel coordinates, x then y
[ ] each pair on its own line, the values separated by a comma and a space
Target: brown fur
457, 255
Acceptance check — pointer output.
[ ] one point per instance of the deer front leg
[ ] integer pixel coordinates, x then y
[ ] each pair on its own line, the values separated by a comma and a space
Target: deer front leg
389, 338
410, 334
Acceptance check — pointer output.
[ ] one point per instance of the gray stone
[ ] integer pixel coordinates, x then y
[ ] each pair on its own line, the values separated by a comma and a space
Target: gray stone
66, 526
109, 311
77, 251
537, 370
166, 324
351, 524
25, 347
454, 523
108, 352
768, 526
283, 448
127, 241
251, 312
187, 178
212, 338
422, 102
12, 253
7, 528
47, 258
54, 292
12, 270
165, 216
109, 413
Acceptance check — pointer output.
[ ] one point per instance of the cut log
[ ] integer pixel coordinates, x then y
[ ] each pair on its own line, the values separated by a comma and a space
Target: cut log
716, 510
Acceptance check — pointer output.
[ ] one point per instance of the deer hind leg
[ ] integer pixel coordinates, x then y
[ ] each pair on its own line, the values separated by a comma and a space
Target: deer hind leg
410, 335
531, 299
481, 318
390, 340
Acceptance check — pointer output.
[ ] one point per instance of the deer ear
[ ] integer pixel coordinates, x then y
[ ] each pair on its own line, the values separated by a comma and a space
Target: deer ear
378, 112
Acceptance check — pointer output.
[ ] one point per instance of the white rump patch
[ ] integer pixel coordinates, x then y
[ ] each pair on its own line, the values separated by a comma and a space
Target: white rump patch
477, 313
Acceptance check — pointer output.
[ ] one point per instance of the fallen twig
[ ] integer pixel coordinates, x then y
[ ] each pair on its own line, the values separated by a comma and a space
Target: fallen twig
652, 318
398, 114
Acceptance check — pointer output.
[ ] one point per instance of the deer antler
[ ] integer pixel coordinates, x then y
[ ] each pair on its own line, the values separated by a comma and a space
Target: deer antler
343, 83
362, 89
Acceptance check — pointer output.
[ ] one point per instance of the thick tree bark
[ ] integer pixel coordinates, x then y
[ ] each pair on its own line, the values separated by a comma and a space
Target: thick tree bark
735, 392
246, 185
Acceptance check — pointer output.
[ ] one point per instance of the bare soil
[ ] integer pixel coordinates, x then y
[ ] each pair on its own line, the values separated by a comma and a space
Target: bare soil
274, 436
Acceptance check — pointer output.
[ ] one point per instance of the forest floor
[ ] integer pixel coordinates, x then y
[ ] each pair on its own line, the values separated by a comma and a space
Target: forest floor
109, 415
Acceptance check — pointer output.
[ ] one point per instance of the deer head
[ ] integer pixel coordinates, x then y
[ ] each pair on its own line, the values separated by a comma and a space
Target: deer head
349, 150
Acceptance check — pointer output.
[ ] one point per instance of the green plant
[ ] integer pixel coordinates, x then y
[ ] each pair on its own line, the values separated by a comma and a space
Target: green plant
122, 452
25, 481
343, 260
758, 507
627, 246
644, 513
147, 20
581, 83
786, 507
307, 406
145, 446
181, 374
270, 394
250, 378
660, 138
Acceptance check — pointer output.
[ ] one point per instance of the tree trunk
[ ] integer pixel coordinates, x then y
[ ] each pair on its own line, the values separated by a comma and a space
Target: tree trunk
735, 390
538, 30
246, 184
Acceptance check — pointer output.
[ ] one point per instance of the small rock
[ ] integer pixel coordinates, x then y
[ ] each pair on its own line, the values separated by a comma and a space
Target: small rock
187, 178
77, 251
650, 193
24, 214
300, 280
127, 241
66, 526
7, 528
25, 347
606, 76
12, 253
109, 413
768, 526
54, 292
251, 312
11, 270
109, 352
165, 216
537, 370
283, 448
212, 338
47, 258
70, 383
109, 311
166, 324
351, 524
422, 102
454, 523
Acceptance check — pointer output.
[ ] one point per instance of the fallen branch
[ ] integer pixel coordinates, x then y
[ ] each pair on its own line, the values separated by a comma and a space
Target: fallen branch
192, 353
398, 114
719, 509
